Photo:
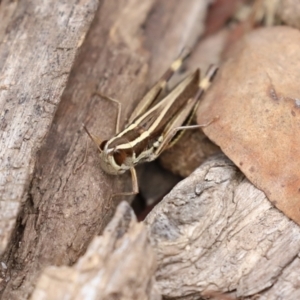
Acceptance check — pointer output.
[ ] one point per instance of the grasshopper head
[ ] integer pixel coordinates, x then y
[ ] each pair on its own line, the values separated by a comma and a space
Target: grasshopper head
111, 159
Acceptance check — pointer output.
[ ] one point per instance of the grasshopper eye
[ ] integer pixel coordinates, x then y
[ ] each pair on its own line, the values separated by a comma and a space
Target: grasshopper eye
119, 157
102, 145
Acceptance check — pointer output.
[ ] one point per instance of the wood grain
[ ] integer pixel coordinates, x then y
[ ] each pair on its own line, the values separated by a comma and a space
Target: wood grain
215, 236
217, 233
38, 44
67, 199
114, 266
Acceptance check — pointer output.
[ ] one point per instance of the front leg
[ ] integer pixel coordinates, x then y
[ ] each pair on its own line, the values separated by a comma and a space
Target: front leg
135, 188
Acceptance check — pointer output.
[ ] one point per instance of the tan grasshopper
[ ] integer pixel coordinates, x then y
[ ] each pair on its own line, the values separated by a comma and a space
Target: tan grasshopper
154, 126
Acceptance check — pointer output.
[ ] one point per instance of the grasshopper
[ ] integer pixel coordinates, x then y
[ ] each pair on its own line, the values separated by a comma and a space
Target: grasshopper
154, 126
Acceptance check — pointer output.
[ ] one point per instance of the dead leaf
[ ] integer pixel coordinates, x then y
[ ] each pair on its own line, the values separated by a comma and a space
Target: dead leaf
257, 98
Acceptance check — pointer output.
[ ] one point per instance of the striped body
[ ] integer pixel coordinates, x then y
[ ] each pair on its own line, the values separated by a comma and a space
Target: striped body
140, 139
155, 125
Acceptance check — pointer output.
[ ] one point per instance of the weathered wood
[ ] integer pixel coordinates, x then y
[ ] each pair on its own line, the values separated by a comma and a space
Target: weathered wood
114, 266
69, 201
38, 43
216, 232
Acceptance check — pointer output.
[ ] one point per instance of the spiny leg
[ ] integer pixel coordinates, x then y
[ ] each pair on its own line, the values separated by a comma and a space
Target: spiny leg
154, 92
151, 96
168, 137
189, 109
209, 77
135, 188
93, 137
119, 108
97, 140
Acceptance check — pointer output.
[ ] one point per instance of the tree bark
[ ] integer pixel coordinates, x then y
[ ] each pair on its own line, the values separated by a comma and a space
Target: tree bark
215, 236
114, 266
215, 233
38, 44
66, 201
